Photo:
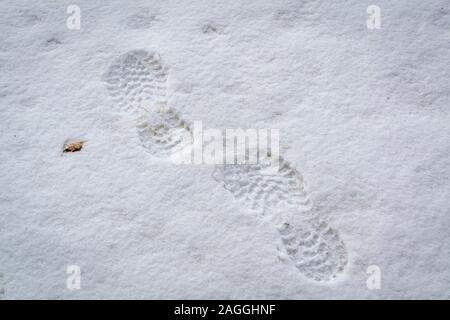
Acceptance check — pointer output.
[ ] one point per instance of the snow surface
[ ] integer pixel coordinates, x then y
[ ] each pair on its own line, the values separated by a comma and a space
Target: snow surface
363, 114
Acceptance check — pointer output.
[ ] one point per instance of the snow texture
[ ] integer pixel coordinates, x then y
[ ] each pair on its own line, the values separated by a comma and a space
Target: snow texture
364, 177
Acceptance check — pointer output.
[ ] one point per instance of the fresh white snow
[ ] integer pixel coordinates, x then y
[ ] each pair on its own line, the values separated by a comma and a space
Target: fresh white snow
363, 116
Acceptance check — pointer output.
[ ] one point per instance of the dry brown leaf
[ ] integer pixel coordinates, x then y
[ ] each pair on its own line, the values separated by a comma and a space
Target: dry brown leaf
73, 145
